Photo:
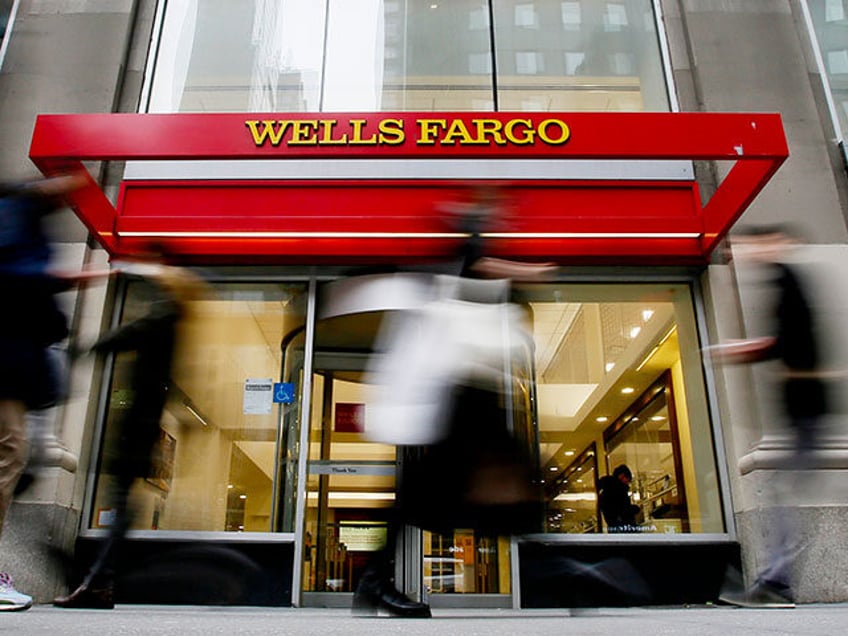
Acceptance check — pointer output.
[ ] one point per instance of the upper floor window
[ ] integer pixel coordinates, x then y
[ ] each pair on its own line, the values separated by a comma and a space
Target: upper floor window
416, 55
7, 15
829, 21
571, 16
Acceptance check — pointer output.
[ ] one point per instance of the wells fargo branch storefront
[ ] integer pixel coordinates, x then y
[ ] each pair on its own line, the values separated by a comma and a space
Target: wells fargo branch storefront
262, 460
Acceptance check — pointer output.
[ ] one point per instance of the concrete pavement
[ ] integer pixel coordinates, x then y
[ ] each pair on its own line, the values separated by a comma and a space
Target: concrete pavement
125, 620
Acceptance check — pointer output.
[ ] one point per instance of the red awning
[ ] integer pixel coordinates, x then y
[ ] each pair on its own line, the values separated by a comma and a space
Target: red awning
326, 187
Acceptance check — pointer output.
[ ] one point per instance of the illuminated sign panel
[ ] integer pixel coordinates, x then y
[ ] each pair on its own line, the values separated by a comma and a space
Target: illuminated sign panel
393, 132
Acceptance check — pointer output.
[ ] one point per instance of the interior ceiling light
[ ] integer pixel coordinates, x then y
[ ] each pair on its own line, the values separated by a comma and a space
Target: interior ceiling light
553, 469
568, 453
628, 390
609, 366
658, 418
602, 418
646, 314
635, 331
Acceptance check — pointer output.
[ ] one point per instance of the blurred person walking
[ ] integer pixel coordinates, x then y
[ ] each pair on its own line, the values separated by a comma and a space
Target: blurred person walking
28, 327
154, 339
801, 393
468, 469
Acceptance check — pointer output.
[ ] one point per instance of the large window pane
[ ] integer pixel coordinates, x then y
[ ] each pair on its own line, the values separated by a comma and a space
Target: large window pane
619, 381
218, 456
830, 21
579, 55
408, 55
307, 56
251, 55
5, 16
448, 63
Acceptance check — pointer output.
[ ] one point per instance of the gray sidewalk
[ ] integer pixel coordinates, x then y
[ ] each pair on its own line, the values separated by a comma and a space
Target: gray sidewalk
827, 620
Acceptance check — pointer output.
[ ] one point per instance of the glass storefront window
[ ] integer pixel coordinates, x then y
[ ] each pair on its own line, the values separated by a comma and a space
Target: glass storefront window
578, 56
618, 380
407, 55
6, 15
830, 23
218, 458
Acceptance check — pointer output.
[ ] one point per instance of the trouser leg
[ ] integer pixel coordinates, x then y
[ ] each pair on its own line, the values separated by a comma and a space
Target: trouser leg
13, 451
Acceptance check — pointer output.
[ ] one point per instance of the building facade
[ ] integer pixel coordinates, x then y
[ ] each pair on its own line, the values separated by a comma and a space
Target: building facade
615, 371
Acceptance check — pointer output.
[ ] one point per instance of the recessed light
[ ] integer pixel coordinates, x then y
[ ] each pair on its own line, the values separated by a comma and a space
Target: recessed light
553, 469
242, 496
646, 314
658, 418
609, 366
627, 390
602, 418
635, 331
568, 453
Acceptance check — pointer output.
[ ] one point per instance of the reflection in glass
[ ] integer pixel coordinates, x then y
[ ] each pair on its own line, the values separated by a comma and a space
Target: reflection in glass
215, 466
466, 563
578, 56
830, 22
411, 55
572, 495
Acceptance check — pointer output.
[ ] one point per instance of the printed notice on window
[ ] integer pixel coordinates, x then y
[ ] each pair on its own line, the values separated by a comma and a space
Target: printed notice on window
258, 396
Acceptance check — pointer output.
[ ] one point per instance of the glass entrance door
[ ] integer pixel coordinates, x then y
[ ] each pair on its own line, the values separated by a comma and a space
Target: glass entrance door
351, 481
350, 484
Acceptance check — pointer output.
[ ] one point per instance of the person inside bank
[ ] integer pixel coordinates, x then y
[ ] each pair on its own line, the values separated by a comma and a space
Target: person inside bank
620, 514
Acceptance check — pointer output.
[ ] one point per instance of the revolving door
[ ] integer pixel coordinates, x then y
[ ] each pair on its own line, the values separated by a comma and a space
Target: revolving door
350, 481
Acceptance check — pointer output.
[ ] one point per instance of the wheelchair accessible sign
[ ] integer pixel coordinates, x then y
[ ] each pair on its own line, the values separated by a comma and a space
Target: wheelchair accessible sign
284, 392
260, 394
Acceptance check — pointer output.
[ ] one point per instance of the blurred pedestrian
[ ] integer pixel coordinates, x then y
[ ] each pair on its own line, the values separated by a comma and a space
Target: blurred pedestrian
469, 469
29, 325
153, 338
802, 393
620, 514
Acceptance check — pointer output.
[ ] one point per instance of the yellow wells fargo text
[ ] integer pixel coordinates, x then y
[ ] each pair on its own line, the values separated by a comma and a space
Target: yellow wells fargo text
392, 132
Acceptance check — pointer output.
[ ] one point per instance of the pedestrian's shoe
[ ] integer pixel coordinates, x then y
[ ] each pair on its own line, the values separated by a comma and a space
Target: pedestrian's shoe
87, 597
373, 598
10, 599
761, 594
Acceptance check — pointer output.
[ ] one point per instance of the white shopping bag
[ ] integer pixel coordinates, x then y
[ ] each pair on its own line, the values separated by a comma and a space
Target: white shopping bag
467, 335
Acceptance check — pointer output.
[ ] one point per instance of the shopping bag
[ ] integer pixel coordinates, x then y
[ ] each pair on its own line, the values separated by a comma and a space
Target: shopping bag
466, 335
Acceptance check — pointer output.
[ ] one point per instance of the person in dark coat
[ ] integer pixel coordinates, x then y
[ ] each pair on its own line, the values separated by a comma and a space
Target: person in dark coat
479, 475
30, 322
801, 391
153, 338
619, 513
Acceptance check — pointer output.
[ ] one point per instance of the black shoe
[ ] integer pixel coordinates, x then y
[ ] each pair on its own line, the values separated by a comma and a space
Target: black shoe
85, 597
372, 598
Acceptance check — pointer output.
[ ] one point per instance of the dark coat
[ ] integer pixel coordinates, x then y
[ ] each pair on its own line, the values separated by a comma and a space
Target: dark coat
614, 502
153, 338
797, 347
30, 321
